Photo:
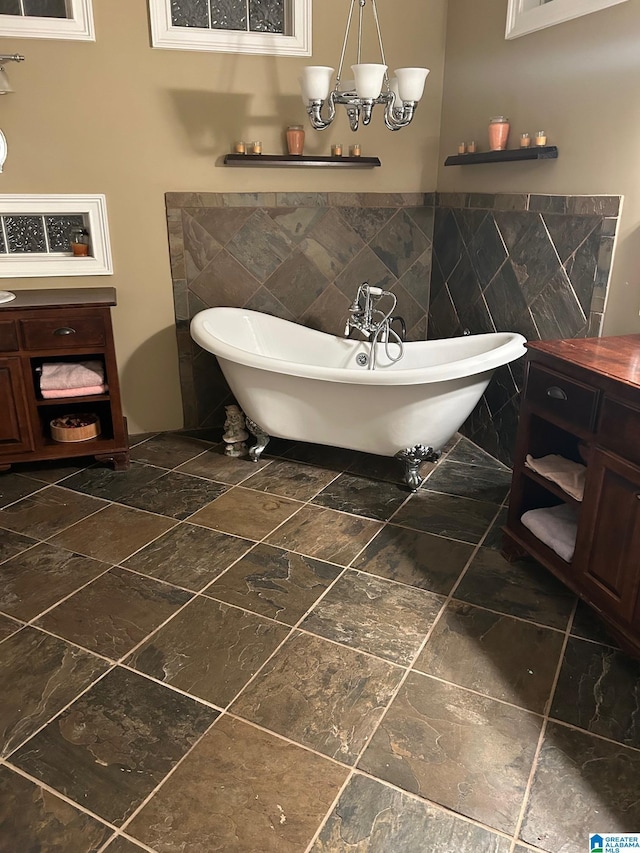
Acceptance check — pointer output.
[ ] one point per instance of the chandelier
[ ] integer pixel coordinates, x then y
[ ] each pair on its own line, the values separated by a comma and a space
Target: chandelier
371, 85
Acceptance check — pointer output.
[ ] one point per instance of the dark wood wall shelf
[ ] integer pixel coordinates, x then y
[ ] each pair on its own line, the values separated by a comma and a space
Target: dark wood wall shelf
544, 152
300, 160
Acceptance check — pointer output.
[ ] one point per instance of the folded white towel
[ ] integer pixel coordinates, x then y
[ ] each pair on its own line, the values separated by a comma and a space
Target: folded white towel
569, 475
556, 526
71, 374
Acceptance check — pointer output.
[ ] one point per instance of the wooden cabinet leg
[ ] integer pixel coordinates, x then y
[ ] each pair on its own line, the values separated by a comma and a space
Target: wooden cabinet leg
5, 468
511, 550
119, 461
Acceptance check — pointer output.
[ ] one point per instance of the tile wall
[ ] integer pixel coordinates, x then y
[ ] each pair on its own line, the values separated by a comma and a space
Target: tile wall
299, 256
534, 264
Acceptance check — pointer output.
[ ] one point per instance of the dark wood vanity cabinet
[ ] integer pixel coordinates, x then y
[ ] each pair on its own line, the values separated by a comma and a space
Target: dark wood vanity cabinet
582, 401
63, 325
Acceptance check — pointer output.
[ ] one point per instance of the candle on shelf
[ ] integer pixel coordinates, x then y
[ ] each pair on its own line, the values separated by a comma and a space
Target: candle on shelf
462, 148
525, 140
336, 149
240, 148
256, 148
355, 150
471, 147
541, 138
498, 133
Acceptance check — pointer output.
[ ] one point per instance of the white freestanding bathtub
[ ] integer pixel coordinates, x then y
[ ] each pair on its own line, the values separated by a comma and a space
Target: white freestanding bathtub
297, 383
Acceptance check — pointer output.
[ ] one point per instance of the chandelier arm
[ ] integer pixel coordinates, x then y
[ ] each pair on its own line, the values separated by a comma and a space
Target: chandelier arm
396, 119
314, 111
344, 44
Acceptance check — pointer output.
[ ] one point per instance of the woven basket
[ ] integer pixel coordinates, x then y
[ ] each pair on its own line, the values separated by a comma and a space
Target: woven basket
63, 430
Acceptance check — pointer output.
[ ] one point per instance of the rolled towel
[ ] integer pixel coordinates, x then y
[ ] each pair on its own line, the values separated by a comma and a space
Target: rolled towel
570, 476
71, 374
55, 393
556, 526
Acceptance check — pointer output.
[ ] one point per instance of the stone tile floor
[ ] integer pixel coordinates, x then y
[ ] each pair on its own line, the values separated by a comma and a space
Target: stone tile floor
205, 654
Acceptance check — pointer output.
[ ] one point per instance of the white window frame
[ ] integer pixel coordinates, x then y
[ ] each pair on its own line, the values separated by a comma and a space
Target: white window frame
165, 35
78, 27
92, 207
528, 16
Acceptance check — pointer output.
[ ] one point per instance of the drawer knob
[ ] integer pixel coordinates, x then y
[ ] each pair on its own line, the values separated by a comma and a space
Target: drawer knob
556, 393
64, 330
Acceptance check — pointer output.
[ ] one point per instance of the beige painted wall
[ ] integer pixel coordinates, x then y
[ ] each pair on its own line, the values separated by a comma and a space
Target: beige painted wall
119, 118
579, 81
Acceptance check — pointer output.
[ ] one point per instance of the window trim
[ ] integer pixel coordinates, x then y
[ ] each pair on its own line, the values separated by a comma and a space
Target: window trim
93, 207
165, 35
78, 27
529, 16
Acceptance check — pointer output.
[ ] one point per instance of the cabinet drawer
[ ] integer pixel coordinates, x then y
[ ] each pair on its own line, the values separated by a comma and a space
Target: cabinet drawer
8, 336
567, 399
619, 429
63, 333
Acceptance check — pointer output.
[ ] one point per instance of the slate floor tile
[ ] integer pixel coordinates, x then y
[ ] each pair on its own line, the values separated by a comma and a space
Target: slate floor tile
418, 559
275, 583
453, 747
580, 780
446, 515
8, 627
496, 655
371, 817
269, 795
123, 845
168, 450
493, 539
290, 479
115, 744
523, 588
14, 486
13, 543
54, 470
47, 512
599, 690
34, 819
362, 496
320, 695
39, 675
209, 650
375, 615
468, 452
244, 512
174, 494
41, 576
114, 533
325, 534
112, 614
214, 465
587, 624
110, 485
189, 556
331, 458
470, 481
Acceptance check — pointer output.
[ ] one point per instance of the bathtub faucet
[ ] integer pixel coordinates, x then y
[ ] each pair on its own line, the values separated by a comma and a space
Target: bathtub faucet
374, 322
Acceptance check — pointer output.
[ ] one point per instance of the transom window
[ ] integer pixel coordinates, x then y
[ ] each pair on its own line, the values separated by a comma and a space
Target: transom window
49, 235
233, 26
56, 19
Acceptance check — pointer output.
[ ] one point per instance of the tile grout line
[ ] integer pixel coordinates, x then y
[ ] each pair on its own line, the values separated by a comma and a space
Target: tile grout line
542, 735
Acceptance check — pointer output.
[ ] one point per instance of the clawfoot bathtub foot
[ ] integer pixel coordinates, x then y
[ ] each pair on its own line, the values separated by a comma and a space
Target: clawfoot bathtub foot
411, 458
263, 439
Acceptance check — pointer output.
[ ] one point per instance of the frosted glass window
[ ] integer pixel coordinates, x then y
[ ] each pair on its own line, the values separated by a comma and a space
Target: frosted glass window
268, 27
37, 235
36, 8
255, 16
